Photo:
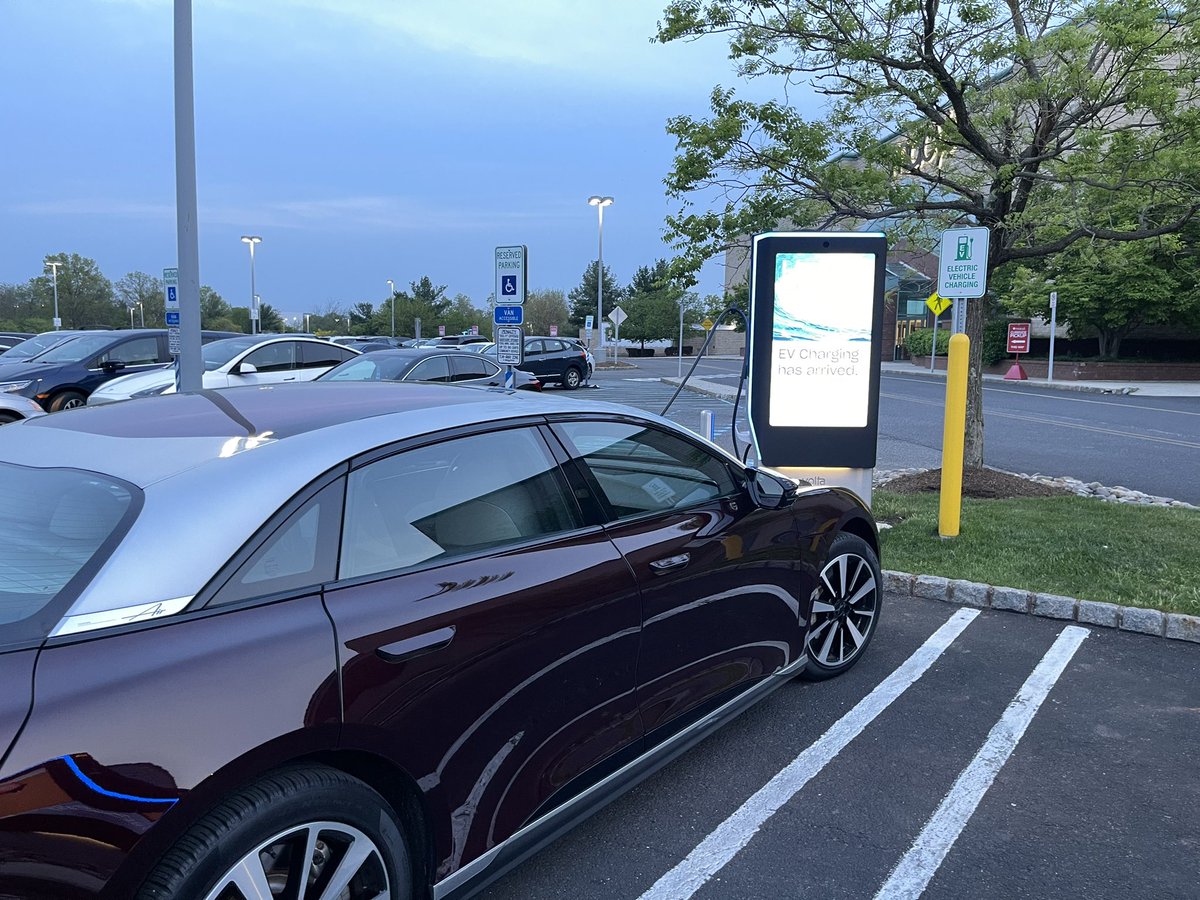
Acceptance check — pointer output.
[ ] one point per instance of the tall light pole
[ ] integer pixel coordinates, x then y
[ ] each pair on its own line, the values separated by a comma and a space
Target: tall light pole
392, 304
52, 265
252, 239
600, 203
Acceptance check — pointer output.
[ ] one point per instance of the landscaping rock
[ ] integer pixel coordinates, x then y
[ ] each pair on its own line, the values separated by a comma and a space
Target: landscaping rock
931, 587
1053, 606
897, 583
971, 593
1183, 628
1106, 615
1143, 621
1010, 598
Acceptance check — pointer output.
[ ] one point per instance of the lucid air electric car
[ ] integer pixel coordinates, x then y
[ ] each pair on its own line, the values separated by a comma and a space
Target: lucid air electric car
378, 640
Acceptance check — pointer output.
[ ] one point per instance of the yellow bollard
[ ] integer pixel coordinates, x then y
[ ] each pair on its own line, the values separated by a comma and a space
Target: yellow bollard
953, 436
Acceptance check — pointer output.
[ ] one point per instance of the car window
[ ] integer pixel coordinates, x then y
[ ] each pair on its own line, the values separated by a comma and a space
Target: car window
277, 357
450, 499
643, 470
53, 523
138, 352
436, 368
466, 368
322, 355
300, 553
554, 346
532, 347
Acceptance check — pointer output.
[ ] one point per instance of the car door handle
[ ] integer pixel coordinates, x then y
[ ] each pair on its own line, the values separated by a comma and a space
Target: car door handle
671, 562
412, 647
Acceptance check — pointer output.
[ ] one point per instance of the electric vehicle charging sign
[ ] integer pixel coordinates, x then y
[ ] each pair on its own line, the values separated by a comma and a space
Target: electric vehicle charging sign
815, 347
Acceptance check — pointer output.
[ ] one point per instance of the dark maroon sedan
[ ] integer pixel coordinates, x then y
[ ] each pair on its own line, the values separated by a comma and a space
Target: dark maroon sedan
353, 641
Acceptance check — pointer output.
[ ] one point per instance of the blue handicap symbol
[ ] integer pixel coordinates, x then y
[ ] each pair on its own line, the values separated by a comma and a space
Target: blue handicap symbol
171, 294
508, 285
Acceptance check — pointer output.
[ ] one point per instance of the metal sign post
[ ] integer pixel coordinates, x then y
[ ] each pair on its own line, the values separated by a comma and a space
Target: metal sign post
1053, 324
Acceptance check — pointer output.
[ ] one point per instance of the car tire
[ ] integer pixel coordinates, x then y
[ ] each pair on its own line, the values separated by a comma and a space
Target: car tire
7, 418
67, 400
296, 822
845, 609
572, 378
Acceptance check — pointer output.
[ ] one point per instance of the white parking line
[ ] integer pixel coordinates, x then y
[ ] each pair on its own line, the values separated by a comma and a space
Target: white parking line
711, 855
914, 872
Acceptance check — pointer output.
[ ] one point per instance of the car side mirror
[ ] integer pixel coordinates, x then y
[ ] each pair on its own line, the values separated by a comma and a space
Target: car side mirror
770, 489
244, 368
112, 365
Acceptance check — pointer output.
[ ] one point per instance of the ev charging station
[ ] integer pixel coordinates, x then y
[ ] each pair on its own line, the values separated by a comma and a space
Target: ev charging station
815, 347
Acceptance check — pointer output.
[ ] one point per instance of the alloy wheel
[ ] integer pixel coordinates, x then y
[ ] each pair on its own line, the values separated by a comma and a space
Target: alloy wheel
843, 612
314, 861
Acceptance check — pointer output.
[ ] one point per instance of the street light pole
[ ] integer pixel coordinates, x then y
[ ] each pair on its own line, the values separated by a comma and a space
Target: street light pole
392, 303
600, 203
251, 240
52, 265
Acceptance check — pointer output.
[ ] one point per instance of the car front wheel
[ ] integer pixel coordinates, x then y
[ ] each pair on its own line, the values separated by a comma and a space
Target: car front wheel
845, 609
572, 378
304, 832
67, 400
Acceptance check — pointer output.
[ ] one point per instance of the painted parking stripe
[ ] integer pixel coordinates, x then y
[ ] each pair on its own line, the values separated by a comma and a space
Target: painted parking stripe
914, 872
712, 854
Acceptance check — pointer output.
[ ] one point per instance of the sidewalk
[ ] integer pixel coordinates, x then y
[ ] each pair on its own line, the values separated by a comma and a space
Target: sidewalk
726, 390
1144, 388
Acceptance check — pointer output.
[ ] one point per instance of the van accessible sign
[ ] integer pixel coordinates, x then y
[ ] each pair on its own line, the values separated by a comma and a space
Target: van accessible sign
963, 268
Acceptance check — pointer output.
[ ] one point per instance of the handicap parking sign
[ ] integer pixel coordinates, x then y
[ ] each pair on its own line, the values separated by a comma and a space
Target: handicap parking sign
170, 293
508, 285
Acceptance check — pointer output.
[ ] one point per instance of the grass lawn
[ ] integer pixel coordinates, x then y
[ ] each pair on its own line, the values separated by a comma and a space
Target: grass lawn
1074, 546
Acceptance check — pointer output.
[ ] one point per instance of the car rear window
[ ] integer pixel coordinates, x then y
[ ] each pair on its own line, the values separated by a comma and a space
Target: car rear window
56, 527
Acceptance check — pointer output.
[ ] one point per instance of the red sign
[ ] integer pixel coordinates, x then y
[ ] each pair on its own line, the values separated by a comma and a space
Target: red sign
553, 331
1018, 337
474, 329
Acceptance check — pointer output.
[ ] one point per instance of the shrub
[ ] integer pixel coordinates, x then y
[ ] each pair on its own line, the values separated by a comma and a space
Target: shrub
919, 341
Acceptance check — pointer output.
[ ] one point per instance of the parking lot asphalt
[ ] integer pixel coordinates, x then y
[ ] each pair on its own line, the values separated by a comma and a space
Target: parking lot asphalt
1099, 797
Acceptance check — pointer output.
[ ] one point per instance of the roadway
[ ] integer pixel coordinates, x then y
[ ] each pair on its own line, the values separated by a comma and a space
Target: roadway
1145, 443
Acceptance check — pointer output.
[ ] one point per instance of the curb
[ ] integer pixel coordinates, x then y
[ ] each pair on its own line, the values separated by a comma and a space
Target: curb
1136, 619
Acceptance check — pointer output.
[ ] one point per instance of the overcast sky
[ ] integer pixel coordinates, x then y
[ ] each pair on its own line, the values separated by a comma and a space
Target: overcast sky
362, 139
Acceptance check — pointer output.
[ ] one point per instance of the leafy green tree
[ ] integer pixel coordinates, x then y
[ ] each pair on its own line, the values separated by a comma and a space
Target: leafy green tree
217, 315
988, 112
544, 308
652, 305
85, 297
20, 309
583, 298
143, 294
269, 319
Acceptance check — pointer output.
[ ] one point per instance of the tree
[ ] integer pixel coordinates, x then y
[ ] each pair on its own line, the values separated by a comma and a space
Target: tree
583, 298
544, 308
217, 315
85, 297
20, 309
143, 294
990, 112
652, 306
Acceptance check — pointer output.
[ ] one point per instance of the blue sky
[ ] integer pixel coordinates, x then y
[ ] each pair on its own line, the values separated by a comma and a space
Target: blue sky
363, 139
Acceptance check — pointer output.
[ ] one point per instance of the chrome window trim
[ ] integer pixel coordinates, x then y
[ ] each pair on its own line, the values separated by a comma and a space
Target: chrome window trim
125, 615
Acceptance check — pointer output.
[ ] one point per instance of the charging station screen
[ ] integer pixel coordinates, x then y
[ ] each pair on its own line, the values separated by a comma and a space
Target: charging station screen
821, 340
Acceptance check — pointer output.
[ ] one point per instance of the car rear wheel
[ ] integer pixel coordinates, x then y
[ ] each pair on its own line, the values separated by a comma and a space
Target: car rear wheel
845, 610
7, 418
572, 378
306, 832
67, 400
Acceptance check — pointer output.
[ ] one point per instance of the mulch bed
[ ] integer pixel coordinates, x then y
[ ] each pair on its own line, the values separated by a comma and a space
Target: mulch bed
987, 484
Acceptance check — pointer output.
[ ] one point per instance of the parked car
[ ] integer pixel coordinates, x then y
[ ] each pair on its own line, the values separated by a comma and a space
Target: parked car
63, 376
555, 360
246, 360
591, 360
380, 640
14, 409
38, 344
456, 340
432, 364
10, 339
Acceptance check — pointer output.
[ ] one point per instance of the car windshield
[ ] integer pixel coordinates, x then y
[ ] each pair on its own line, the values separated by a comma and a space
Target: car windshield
77, 349
54, 525
39, 343
217, 353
